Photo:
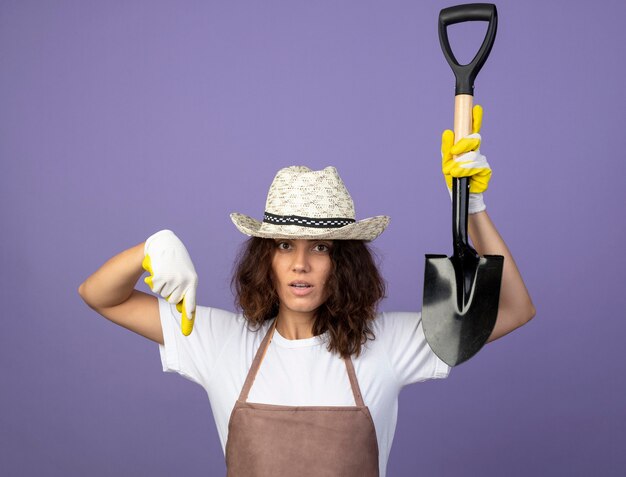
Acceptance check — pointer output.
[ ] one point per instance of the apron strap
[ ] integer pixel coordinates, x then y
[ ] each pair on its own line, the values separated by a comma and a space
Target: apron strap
354, 383
260, 354
254, 368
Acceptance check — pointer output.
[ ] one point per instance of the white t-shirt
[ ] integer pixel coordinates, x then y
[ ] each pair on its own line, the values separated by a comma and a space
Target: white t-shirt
220, 350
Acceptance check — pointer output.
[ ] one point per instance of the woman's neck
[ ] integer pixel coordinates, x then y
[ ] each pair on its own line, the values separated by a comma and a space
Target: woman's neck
295, 326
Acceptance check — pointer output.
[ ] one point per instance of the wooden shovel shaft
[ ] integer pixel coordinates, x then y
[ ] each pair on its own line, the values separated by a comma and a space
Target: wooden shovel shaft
463, 104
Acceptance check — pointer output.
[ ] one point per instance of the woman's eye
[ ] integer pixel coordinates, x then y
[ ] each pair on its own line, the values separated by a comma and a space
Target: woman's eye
283, 245
322, 247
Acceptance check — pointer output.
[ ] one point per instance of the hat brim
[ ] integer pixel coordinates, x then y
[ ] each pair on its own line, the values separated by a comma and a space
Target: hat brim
366, 229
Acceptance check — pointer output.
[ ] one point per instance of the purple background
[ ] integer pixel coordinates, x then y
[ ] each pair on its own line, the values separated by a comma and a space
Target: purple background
121, 118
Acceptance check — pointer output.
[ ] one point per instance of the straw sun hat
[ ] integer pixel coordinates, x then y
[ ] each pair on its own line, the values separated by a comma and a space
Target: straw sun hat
306, 204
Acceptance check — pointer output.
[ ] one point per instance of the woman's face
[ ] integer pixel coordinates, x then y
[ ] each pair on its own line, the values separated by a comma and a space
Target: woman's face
300, 270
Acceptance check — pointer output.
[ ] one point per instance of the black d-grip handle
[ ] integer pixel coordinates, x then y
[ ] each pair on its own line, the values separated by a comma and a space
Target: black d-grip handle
466, 74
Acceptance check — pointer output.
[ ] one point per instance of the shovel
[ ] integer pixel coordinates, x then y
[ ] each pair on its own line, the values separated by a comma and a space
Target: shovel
461, 292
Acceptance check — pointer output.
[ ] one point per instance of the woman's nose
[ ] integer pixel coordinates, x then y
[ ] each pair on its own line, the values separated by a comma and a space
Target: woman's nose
300, 260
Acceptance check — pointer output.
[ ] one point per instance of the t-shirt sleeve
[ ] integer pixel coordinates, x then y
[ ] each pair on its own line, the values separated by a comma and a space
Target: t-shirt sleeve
193, 356
411, 357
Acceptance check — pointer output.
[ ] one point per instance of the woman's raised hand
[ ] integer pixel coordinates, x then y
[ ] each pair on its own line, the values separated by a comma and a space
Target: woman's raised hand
172, 274
469, 162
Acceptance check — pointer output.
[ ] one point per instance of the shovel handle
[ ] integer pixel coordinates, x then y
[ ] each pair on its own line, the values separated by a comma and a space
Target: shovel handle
466, 74
463, 104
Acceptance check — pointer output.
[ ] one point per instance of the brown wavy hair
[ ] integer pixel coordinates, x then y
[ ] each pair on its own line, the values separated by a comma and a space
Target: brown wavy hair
354, 287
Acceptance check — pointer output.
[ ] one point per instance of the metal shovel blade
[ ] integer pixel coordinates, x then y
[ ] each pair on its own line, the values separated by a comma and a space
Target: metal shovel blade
457, 318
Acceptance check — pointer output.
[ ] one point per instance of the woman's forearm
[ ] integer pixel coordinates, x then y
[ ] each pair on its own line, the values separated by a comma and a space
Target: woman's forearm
515, 307
114, 281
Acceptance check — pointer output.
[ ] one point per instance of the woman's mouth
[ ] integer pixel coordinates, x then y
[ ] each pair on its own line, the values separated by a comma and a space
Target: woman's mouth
300, 288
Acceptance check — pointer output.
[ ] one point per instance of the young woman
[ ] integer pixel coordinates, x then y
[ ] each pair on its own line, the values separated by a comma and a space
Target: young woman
305, 379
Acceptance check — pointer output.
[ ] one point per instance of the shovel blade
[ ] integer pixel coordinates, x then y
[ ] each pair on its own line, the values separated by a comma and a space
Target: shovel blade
456, 332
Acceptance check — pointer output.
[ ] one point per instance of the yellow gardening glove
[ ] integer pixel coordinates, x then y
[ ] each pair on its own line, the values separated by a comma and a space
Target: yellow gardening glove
172, 274
469, 161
